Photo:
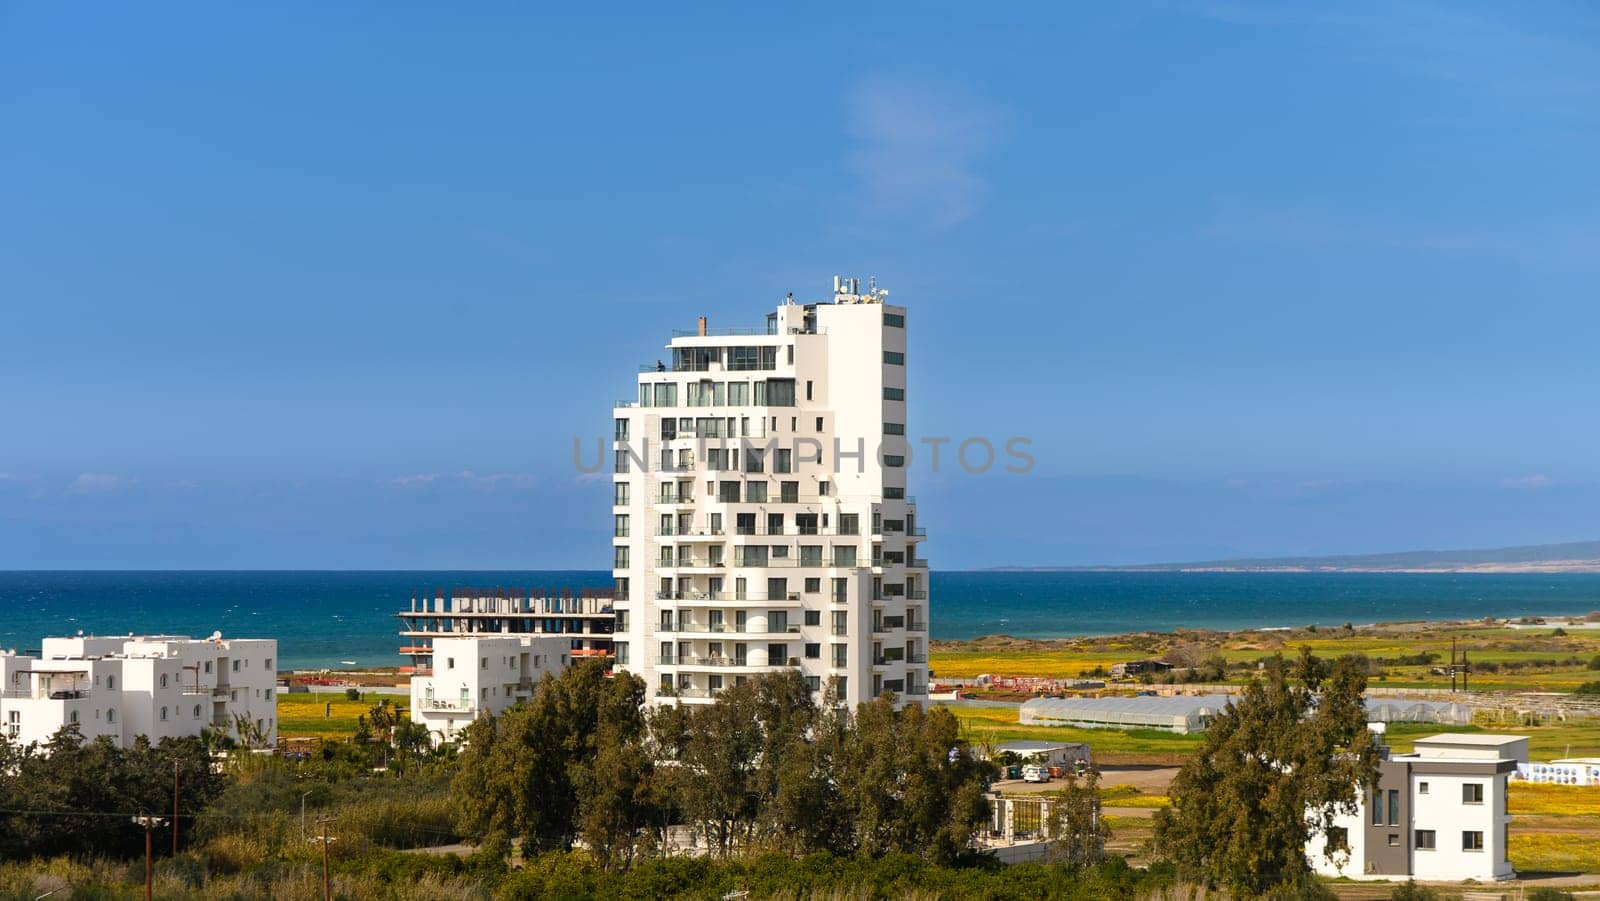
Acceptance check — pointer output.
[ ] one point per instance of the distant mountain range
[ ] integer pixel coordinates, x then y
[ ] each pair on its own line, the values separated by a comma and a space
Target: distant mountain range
1578, 556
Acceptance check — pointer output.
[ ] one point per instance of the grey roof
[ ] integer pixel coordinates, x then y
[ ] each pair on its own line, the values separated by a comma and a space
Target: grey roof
1035, 745
1131, 711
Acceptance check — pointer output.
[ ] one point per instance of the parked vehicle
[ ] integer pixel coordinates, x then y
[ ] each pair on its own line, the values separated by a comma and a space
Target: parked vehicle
1035, 773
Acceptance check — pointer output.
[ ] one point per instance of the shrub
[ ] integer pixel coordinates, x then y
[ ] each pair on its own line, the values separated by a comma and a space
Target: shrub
1549, 894
1587, 688
352, 694
1410, 891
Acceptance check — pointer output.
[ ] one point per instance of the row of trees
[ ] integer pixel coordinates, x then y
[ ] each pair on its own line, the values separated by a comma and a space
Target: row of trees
763, 768
70, 796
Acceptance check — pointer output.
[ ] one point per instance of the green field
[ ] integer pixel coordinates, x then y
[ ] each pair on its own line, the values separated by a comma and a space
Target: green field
319, 715
1533, 659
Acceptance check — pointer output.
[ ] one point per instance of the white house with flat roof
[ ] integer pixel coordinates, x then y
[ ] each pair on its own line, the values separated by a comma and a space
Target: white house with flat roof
159, 686
479, 675
1438, 813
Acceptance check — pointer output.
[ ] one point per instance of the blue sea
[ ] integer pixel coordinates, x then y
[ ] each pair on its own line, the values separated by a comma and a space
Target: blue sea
322, 618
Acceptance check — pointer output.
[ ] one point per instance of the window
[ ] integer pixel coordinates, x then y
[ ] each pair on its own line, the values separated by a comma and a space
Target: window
449, 663
1394, 807
744, 524
841, 591
894, 358
1394, 839
777, 654
197, 711
1377, 808
894, 494
894, 394
841, 622
808, 389
755, 492
1422, 788
775, 393
1472, 841
1339, 838
235, 668
783, 461
666, 395
483, 663
622, 525
620, 650
754, 460
111, 681
622, 461
841, 656
789, 492
621, 430
813, 617
894, 320
621, 557
163, 714
163, 680
819, 423
849, 523
267, 663
893, 461
813, 651
894, 428
844, 556
1472, 793
811, 555
1425, 840
619, 494
814, 584
728, 492
111, 716
814, 683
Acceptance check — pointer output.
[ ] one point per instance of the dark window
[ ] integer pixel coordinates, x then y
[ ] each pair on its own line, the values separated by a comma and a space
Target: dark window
894, 320
1394, 807
1425, 840
1472, 841
894, 358
1472, 793
813, 617
813, 651
894, 394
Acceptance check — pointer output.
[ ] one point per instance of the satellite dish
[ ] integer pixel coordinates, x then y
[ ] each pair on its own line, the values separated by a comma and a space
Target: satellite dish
217, 635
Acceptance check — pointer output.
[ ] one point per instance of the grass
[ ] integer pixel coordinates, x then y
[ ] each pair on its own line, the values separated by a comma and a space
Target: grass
1487, 645
1553, 852
1555, 800
302, 715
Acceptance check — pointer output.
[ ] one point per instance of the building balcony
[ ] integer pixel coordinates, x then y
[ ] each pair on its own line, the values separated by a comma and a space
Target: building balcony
439, 705
916, 625
712, 598
919, 659
46, 694
916, 595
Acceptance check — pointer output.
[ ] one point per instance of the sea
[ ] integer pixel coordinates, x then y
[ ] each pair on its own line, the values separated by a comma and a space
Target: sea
323, 619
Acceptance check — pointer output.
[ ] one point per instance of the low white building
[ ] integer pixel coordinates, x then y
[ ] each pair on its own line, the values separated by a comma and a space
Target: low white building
1583, 771
160, 686
1438, 813
1047, 753
482, 674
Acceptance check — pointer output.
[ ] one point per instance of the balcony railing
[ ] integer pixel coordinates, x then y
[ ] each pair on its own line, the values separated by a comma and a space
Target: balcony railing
916, 625
792, 597
917, 658
917, 595
450, 706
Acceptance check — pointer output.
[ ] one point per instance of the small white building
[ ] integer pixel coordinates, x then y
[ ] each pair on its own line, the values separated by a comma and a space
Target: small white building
1438, 813
482, 674
160, 686
1047, 753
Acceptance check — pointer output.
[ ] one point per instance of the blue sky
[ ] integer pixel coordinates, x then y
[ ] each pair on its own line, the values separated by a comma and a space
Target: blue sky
337, 287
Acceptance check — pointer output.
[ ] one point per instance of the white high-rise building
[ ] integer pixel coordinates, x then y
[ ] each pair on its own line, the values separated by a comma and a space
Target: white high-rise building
160, 686
761, 513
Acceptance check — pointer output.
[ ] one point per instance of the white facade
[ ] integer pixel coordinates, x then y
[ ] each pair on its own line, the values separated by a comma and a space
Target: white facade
1438, 813
761, 513
482, 675
160, 686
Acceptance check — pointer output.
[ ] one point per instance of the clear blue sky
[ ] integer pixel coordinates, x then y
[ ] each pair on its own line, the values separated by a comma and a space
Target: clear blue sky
336, 286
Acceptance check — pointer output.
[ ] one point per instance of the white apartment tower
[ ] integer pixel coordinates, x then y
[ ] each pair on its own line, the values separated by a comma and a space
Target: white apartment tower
761, 513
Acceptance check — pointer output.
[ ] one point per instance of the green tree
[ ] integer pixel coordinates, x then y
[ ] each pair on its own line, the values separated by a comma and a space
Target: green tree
1078, 832
1283, 760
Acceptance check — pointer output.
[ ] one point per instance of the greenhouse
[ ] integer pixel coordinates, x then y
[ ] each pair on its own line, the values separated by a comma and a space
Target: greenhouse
1193, 713
1180, 713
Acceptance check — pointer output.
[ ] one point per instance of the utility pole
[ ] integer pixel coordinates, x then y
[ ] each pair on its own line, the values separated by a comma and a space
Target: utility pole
149, 866
175, 765
327, 890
